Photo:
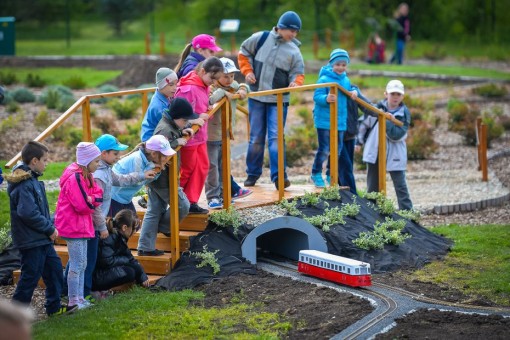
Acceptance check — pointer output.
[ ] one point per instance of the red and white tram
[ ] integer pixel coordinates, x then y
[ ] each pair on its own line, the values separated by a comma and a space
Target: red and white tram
334, 268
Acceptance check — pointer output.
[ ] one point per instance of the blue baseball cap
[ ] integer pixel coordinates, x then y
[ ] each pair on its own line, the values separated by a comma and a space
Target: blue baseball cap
108, 142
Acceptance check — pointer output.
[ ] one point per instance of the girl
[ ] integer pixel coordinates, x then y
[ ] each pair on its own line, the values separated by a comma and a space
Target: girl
115, 264
151, 155
79, 196
204, 46
194, 160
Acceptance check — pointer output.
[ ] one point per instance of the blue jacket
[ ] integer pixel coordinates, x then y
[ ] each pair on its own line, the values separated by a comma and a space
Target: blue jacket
321, 108
189, 64
158, 104
31, 224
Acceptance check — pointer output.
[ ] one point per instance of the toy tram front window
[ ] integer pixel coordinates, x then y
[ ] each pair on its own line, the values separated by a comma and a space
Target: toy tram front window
357, 270
348, 270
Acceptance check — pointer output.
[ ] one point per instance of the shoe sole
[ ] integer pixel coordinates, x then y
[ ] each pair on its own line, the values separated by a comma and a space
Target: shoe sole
243, 196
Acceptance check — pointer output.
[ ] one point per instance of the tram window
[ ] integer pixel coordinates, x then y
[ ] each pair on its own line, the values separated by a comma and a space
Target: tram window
363, 270
322, 263
357, 270
348, 270
302, 258
368, 271
313, 261
336, 267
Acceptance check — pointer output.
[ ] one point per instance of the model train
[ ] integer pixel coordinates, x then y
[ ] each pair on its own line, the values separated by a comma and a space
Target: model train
334, 268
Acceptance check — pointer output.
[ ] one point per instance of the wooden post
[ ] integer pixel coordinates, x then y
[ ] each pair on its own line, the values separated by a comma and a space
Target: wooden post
174, 210
233, 44
217, 34
316, 45
478, 131
85, 113
328, 38
281, 146
333, 137
162, 43
225, 153
483, 152
147, 44
382, 154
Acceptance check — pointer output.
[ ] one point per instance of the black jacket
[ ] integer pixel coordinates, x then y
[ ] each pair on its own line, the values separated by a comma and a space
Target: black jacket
113, 253
31, 223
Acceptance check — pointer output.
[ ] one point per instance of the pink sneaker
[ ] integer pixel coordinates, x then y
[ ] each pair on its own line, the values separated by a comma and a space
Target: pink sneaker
241, 193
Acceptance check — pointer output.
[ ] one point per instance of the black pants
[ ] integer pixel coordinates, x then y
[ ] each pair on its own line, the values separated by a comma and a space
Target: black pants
116, 276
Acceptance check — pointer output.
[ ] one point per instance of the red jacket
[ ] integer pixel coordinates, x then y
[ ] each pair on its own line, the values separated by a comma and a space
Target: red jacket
192, 88
73, 217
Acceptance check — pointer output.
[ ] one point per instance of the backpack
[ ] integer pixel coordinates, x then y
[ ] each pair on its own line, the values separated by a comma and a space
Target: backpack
261, 42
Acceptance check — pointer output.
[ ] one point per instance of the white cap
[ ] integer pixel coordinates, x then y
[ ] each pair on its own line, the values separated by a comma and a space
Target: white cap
228, 65
395, 86
161, 144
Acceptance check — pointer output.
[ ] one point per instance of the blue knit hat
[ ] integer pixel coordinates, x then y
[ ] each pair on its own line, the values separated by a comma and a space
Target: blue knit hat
339, 55
289, 20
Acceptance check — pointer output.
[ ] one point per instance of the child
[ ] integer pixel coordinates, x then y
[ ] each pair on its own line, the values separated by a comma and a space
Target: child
375, 50
270, 60
403, 33
195, 164
225, 86
396, 149
166, 82
173, 126
79, 196
33, 232
204, 46
151, 155
334, 72
115, 264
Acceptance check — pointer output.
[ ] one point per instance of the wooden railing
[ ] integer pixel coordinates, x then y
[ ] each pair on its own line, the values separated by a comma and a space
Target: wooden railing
224, 106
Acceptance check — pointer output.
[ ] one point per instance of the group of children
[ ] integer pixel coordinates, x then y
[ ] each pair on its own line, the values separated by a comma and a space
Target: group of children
95, 214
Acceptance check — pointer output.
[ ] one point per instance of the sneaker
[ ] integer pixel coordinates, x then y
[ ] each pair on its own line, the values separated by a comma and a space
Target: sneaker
143, 202
241, 193
286, 183
64, 310
83, 304
318, 180
250, 181
155, 252
196, 209
215, 204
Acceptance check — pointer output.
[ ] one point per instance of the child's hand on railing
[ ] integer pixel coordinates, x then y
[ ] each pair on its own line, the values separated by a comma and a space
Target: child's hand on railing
188, 132
293, 84
198, 121
242, 93
182, 141
229, 95
331, 98
354, 94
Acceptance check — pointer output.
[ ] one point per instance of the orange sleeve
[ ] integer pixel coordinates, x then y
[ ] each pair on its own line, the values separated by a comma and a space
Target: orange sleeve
244, 64
300, 79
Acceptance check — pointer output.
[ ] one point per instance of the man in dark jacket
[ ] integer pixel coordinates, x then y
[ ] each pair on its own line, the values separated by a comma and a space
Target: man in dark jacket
33, 232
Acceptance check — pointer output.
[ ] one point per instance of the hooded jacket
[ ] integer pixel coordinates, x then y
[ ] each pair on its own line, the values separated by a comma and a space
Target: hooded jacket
321, 114
31, 224
192, 88
396, 148
73, 217
113, 253
159, 103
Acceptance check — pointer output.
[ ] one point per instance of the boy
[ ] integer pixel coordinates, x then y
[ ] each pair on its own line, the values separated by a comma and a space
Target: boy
334, 72
225, 86
396, 149
174, 125
33, 232
270, 60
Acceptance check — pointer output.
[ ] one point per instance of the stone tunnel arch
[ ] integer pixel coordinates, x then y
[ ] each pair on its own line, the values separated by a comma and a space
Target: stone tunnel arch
284, 236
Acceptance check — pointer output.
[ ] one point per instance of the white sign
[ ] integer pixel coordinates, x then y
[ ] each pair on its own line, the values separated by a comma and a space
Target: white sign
229, 25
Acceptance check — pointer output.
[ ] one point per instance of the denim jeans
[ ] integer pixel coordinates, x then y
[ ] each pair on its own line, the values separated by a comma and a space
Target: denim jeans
92, 246
345, 165
36, 262
399, 182
264, 121
398, 57
322, 154
214, 181
157, 216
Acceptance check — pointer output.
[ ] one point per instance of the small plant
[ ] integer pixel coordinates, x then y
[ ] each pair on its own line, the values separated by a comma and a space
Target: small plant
227, 218
106, 88
11, 122
494, 128
5, 236
462, 119
412, 215
310, 199
23, 95
52, 99
329, 218
387, 232
105, 123
124, 109
75, 82
12, 107
75, 135
34, 81
331, 193
290, 207
420, 141
64, 103
62, 132
42, 119
208, 259
384, 204
490, 91
350, 209
51, 95
8, 78
7, 98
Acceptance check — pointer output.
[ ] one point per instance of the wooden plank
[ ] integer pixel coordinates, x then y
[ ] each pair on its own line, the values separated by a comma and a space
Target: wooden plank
163, 242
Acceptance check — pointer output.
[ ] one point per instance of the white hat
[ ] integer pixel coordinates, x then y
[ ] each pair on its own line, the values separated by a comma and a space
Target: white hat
228, 65
161, 144
395, 86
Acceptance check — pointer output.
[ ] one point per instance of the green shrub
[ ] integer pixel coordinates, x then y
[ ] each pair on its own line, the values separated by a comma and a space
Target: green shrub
125, 109
106, 88
494, 128
62, 132
490, 91
64, 103
290, 207
434, 53
5, 236
7, 98
12, 107
383, 204
462, 119
106, 124
23, 95
208, 259
75, 135
8, 78
34, 81
505, 122
387, 232
331, 193
227, 218
420, 141
42, 119
329, 218
11, 122
75, 82
52, 98
310, 199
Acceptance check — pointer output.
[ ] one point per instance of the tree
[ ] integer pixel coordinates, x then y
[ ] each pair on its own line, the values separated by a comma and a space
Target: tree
117, 12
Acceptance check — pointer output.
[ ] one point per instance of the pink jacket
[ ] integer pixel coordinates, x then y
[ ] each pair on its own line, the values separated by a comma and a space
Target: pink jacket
192, 88
73, 217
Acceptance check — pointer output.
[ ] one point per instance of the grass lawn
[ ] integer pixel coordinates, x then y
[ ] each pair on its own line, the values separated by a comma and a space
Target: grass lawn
141, 314
478, 264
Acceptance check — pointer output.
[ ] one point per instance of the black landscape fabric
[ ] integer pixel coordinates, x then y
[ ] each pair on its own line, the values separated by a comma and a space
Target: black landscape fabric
423, 247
